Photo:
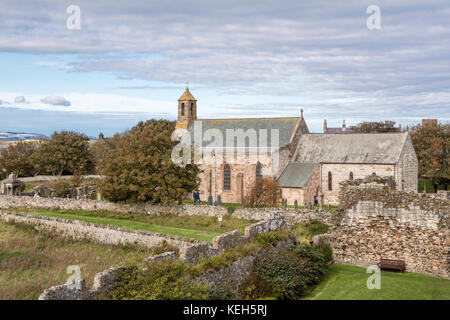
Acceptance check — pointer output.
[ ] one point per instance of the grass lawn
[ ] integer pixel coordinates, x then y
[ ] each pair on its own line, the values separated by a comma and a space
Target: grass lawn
191, 227
344, 282
31, 262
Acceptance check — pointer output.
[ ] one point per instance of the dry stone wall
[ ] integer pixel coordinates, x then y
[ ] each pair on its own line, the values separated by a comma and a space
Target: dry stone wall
377, 222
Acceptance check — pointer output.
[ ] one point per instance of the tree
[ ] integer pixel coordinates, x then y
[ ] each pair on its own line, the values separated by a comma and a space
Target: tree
373, 127
65, 152
140, 168
432, 143
265, 193
17, 159
102, 148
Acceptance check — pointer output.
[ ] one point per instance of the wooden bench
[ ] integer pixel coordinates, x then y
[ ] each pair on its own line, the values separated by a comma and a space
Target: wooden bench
391, 264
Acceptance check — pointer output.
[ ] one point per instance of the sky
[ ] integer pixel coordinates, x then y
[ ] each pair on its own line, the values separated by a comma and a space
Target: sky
130, 61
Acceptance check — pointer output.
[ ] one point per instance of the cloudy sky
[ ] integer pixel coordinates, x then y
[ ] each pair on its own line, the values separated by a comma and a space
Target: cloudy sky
131, 59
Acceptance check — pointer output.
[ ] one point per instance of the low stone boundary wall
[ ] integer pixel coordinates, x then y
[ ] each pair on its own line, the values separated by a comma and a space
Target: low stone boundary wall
293, 216
75, 229
103, 283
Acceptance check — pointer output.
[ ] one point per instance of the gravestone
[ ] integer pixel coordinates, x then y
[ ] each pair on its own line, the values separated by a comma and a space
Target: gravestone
210, 200
296, 205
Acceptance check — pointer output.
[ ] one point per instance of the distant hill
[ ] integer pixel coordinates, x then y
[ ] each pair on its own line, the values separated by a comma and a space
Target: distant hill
19, 136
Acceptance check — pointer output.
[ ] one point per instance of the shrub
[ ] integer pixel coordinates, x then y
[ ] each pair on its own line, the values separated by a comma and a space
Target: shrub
222, 292
161, 281
269, 239
265, 193
291, 270
254, 287
311, 228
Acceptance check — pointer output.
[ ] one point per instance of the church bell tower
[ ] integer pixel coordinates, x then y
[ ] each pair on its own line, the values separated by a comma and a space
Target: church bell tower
187, 109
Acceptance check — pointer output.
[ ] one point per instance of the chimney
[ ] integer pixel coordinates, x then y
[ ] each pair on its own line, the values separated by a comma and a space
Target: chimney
343, 126
324, 126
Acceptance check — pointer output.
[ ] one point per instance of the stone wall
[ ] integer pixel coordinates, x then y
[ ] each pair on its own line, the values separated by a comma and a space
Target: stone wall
375, 222
258, 214
74, 229
103, 283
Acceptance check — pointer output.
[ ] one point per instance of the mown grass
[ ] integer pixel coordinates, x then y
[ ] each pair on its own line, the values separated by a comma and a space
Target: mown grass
344, 282
31, 262
191, 227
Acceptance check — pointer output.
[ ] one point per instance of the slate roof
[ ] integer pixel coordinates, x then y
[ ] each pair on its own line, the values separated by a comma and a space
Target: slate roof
381, 148
285, 126
296, 175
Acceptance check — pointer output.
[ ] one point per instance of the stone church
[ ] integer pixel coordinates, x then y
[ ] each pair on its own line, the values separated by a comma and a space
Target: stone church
307, 164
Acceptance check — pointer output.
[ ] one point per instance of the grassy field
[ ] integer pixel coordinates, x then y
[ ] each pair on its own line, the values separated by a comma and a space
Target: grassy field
192, 227
344, 282
31, 262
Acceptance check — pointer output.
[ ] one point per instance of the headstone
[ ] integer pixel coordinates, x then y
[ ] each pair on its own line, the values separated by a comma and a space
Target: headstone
285, 203
180, 201
219, 200
296, 205
210, 200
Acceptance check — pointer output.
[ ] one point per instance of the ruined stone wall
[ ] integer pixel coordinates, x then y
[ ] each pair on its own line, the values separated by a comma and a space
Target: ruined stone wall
376, 222
341, 173
256, 214
74, 229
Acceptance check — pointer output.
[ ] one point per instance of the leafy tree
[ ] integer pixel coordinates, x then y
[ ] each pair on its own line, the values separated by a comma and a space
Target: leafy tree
65, 152
432, 143
17, 159
101, 148
265, 193
373, 127
140, 168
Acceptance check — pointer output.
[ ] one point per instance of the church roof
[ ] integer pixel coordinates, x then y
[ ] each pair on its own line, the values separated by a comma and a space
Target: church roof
296, 175
382, 148
187, 95
285, 126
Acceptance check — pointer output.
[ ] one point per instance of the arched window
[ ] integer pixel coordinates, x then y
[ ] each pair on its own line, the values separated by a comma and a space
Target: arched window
182, 109
351, 176
330, 181
191, 110
258, 171
226, 177
374, 174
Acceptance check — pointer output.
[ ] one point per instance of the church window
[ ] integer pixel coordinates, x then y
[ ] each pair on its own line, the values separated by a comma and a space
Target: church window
226, 177
258, 171
182, 109
351, 176
191, 110
330, 181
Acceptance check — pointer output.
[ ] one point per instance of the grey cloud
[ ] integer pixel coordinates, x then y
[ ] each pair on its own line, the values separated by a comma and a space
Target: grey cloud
20, 99
319, 50
56, 101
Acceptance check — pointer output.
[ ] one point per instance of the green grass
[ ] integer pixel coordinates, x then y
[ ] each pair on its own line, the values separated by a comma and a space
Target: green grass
191, 227
31, 262
430, 187
344, 282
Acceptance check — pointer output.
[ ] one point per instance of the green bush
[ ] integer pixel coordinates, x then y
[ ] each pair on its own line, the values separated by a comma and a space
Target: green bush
269, 239
255, 287
309, 229
222, 292
161, 281
292, 270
